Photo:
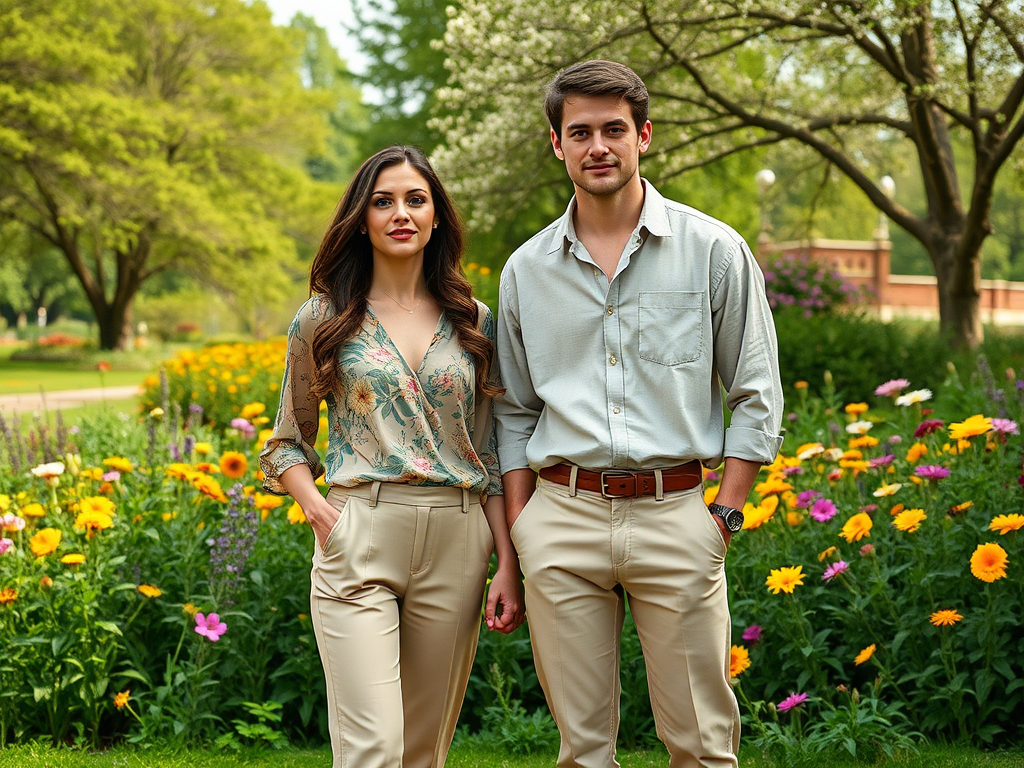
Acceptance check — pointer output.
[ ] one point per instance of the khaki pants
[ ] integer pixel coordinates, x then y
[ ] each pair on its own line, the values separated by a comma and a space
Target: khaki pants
580, 554
396, 600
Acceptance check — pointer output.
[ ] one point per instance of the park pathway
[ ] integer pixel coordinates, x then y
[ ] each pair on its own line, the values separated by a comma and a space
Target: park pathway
28, 402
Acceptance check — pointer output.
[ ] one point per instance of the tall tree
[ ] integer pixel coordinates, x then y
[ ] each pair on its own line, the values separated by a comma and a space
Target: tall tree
154, 135
841, 79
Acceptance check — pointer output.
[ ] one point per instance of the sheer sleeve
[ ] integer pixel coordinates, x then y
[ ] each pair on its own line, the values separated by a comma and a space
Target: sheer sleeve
298, 414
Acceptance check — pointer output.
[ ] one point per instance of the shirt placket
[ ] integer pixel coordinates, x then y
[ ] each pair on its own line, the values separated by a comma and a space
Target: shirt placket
615, 381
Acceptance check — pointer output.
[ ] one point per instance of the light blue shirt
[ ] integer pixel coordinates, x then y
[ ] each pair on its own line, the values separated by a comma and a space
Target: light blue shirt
630, 373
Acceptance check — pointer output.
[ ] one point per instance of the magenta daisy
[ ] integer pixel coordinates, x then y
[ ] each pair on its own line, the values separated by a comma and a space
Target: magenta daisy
752, 634
792, 701
931, 472
834, 570
1005, 426
804, 498
880, 461
823, 510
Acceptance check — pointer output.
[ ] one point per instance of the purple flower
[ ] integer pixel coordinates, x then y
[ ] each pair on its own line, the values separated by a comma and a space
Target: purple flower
927, 427
752, 634
1005, 426
804, 498
891, 388
112, 476
792, 417
895, 440
711, 475
210, 627
834, 570
793, 471
931, 472
792, 701
823, 510
880, 461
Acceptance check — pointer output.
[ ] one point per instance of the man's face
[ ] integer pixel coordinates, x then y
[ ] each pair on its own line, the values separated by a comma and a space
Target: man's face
600, 144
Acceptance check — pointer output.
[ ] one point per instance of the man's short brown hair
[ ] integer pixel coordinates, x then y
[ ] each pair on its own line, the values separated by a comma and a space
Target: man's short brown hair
596, 78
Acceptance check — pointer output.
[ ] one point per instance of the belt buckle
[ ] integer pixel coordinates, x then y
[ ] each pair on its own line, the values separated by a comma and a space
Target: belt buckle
616, 473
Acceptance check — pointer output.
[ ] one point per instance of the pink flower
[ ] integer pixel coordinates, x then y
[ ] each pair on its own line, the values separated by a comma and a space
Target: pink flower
1005, 426
422, 464
927, 427
111, 476
891, 388
752, 634
711, 475
793, 471
381, 355
931, 472
804, 498
5, 544
210, 627
792, 701
895, 439
11, 522
823, 510
880, 461
869, 508
240, 424
867, 549
834, 570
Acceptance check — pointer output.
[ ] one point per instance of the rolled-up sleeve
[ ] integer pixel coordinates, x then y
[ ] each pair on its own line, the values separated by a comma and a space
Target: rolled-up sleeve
518, 410
298, 415
485, 440
746, 357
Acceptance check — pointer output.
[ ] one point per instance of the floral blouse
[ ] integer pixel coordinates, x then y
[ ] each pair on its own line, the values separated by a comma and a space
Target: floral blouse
386, 422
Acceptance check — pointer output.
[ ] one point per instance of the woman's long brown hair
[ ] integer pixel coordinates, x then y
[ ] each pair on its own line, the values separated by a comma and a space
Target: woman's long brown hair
343, 270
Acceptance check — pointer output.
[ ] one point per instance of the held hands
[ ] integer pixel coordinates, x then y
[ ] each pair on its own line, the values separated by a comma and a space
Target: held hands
505, 609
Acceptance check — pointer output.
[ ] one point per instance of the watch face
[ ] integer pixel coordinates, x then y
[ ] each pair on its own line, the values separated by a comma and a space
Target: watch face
734, 520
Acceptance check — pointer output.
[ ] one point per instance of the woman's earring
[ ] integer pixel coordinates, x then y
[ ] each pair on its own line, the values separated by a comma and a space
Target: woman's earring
363, 230
435, 225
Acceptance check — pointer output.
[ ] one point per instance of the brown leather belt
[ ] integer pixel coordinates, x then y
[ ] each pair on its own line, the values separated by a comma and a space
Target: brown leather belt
627, 483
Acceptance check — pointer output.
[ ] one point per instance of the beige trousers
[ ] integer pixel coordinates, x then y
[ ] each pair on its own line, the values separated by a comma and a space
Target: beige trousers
396, 599
581, 554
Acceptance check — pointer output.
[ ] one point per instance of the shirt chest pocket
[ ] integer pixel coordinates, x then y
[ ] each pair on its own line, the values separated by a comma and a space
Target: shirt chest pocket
671, 326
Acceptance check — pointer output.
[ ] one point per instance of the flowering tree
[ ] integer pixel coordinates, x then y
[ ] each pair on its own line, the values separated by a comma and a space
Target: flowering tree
844, 80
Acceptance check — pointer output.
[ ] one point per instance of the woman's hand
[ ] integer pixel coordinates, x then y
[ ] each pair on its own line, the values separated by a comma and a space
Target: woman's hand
505, 609
321, 516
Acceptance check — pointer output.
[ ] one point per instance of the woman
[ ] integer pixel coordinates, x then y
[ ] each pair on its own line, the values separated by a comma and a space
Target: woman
394, 342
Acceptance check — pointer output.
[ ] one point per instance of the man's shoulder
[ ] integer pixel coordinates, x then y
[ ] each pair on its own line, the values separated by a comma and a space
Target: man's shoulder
682, 216
546, 241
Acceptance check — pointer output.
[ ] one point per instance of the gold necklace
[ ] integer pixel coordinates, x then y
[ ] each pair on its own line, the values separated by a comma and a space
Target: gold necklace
410, 311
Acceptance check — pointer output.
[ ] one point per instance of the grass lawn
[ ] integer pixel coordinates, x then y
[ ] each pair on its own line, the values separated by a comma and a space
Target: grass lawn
18, 376
74, 416
34, 756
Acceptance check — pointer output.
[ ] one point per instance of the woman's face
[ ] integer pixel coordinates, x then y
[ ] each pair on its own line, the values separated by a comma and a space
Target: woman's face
400, 217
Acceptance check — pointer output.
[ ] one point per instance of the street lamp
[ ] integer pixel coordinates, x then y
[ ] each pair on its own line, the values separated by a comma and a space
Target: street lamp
764, 178
888, 189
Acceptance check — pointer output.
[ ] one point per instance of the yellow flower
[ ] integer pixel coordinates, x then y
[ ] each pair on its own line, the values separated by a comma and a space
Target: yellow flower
800, 385
857, 527
93, 521
119, 463
916, 451
864, 441
945, 618
251, 410
122, 698
33, 510
785, 579
864, 655
826, 553
794, 518
855, 409
887, 490
99, 504
190, 609
202, 448
971, 427
295, 514
909, 520
209, 487
45, 541
959, 509
739, 660
156, 413
755, 517
233, 464
1006, 523
74, 558
851, 455
809, 451
5, 502
7, 596
988, 562
267, 501
774, 484
711, 493
149, 590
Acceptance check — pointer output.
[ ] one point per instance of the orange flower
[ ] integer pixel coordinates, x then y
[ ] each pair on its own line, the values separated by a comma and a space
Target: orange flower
149, 590
857, 527
855, 409
233, 464
945, 618
122, 698
1006, 523
45, 541
864, 655
7, 596
988, 562
739, 660
916, 451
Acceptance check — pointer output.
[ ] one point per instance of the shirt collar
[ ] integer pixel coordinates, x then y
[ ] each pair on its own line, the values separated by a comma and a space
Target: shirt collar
653, 218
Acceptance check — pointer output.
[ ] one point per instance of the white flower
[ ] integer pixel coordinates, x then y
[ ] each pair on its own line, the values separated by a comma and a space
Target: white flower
917, 396
53, 469
859, 427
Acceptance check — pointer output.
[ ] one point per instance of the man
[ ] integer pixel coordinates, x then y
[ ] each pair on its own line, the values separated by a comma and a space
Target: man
619, 325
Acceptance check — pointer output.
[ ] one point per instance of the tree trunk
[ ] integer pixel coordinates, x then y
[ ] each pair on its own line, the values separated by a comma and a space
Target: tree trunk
959, 283
115, 328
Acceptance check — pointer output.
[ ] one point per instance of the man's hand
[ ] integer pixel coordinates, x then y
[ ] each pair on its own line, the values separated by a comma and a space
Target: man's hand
506, 593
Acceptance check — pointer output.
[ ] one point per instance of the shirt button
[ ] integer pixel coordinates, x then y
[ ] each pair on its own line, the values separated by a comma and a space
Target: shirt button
610, 310
616, 410
612, 360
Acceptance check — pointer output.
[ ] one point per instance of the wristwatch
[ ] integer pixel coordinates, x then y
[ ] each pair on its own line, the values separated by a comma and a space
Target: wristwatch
732, 517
